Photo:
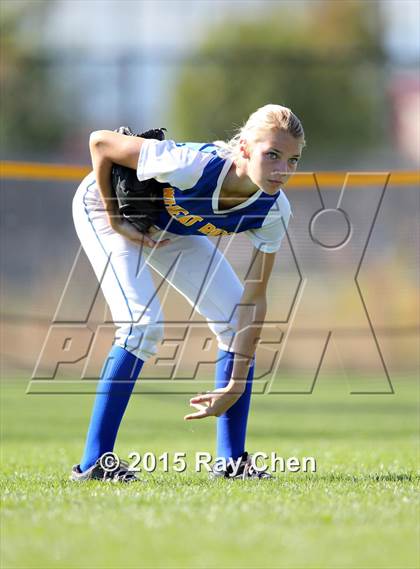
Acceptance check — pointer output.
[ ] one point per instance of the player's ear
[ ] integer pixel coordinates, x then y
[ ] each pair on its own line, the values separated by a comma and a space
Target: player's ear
244, 148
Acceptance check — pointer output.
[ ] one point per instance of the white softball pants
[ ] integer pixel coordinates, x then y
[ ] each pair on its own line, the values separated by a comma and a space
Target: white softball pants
191, 264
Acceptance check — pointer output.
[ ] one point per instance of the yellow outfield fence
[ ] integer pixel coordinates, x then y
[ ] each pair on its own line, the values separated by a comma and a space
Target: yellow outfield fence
301, 180
39, 171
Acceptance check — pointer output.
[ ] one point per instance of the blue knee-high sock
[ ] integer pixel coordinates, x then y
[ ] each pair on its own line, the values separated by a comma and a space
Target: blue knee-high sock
231, 426
118, 377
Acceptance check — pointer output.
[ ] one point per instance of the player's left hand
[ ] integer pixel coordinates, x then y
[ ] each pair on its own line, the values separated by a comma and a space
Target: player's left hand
214, 403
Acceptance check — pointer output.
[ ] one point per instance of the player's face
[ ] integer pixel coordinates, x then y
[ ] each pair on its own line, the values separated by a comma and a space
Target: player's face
272, 159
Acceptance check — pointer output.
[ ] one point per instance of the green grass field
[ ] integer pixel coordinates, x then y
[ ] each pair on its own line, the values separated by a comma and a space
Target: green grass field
359, 510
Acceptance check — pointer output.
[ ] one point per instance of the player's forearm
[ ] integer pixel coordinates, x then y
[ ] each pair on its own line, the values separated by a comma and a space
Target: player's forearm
251, 319
102, 166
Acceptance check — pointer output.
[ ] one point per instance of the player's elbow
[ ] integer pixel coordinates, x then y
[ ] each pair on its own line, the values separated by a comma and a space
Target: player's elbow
96, 140
261, 303
255, 292
256, 299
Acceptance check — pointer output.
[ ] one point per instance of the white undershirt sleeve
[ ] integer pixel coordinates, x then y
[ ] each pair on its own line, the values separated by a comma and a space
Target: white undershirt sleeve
166, 161
269, 236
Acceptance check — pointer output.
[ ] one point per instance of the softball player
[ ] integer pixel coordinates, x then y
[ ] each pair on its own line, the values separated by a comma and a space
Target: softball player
210, 190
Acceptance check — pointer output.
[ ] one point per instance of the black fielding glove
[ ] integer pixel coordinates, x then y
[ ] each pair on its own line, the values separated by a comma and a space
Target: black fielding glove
138, 202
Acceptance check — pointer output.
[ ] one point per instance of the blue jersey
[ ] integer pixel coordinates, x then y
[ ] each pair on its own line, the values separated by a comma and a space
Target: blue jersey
193, 174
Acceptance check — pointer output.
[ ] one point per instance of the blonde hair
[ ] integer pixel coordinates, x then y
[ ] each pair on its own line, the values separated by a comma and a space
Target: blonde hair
266, 118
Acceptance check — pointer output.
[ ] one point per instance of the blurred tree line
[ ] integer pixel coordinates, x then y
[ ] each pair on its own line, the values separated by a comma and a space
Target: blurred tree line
323, 58
33, 110
324, 61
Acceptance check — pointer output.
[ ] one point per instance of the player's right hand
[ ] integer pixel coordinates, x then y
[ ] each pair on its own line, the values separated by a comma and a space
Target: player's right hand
127, 230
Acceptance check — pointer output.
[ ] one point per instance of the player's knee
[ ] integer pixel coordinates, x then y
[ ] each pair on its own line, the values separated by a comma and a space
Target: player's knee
141, 339
224, 334
227, 327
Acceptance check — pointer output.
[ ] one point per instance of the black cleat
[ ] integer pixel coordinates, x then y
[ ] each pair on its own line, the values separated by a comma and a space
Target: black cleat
245, 470
119, 472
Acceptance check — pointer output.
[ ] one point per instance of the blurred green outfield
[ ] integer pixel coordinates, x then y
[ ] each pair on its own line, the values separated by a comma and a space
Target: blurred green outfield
359, 510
